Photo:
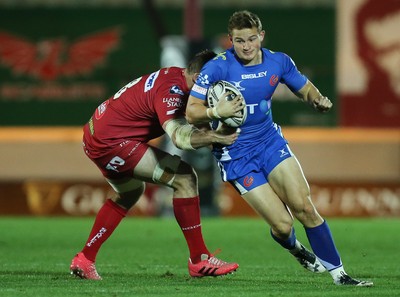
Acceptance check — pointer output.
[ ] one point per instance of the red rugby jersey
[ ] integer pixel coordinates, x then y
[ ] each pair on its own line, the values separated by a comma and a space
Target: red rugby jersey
139, 109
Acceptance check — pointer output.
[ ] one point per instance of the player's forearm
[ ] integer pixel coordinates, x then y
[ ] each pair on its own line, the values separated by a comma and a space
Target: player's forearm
308, 93
201, 138
198, 113
188, 137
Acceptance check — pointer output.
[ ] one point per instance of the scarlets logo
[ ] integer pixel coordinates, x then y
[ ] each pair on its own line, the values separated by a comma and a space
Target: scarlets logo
52, 58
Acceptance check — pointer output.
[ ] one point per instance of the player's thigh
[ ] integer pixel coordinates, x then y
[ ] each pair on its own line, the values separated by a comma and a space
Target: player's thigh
288, 181
268, 205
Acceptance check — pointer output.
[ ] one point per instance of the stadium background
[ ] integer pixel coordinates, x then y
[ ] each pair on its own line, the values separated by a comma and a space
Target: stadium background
351, 156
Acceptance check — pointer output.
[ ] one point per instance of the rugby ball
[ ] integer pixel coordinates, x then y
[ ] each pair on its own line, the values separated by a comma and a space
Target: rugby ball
215, 92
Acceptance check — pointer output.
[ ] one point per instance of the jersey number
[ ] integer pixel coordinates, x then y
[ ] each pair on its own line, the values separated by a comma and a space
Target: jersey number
124, 88
115, 163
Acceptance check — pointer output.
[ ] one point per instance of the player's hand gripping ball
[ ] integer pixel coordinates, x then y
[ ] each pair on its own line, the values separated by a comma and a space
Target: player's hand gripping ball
215, 92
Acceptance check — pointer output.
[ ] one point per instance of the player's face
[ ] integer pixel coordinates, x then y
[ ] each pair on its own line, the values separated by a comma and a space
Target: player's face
247, 44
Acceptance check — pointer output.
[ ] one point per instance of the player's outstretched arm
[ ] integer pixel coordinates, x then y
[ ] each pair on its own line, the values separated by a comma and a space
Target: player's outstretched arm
187, 137
310, 94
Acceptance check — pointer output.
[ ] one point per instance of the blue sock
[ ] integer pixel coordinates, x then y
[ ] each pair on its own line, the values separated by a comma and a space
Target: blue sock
322, 244
288, 243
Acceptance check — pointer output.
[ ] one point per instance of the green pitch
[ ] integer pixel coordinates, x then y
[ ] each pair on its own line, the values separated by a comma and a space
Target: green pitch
148, 257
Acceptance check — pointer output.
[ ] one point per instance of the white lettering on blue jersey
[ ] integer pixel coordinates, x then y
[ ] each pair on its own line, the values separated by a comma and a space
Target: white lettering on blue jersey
254, 75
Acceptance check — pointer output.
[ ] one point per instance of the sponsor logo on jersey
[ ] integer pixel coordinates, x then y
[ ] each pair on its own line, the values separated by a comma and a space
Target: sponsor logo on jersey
125, 142
203, 79
199, 89
150, 81
265, 106
254, 75
91, 128
176, 90
248, 181
220, 55
238, 86
101, 109
283, 153
116, 163
133, 149
274, 79
173, 102
169, 112
251, 108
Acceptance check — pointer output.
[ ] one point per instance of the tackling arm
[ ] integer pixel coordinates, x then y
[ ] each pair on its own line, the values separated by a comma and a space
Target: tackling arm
187, 137
310, 94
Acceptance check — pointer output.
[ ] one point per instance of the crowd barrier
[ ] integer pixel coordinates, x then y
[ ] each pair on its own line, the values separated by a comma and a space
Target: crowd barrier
352, 172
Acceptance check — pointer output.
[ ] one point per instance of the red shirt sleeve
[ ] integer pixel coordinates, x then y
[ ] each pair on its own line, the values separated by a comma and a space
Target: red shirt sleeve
171, 98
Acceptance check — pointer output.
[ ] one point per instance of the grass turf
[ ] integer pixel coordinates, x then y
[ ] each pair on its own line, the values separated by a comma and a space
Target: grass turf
148, 257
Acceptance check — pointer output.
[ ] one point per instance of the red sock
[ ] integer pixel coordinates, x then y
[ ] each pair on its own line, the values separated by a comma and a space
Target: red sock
187, 214
107, 219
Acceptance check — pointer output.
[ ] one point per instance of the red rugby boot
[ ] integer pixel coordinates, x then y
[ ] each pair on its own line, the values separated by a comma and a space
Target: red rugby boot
84, 268
211, 266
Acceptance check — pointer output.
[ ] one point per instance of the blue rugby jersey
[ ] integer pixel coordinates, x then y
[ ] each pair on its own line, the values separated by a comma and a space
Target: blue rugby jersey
257, 84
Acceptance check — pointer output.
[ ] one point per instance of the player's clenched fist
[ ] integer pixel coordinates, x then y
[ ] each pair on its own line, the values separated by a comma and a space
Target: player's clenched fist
322, 104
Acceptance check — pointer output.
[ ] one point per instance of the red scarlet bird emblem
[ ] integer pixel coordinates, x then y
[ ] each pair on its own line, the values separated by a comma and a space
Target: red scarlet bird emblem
52, 58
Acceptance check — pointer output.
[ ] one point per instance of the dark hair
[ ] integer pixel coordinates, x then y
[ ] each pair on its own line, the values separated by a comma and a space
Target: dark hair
244, 20
198, 61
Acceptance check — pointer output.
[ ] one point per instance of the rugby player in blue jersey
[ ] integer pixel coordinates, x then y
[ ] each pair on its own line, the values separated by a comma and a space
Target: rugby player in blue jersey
260, 164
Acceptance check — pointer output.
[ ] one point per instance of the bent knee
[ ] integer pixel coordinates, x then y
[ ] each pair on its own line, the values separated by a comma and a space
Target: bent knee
165, 170
129, 198
307, 214
185, 177
282, 229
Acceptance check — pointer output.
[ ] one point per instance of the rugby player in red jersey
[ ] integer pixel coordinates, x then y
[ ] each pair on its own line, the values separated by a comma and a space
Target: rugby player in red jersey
116, 140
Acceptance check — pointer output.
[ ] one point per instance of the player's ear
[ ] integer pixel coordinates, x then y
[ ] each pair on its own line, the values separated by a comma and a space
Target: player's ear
262, 34
195, 76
